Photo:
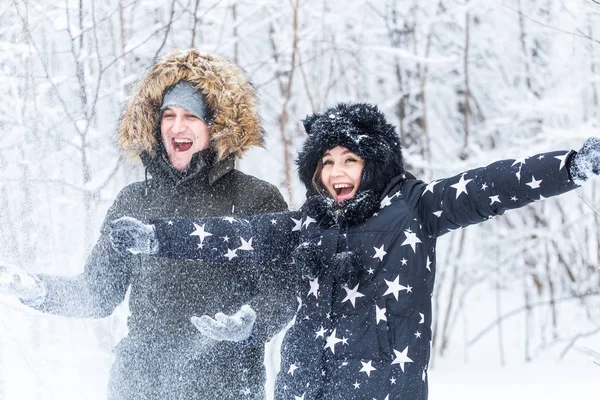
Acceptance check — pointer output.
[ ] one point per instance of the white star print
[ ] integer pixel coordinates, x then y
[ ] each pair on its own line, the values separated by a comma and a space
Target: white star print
367, 368
230, 254
411, 239
520, 160
563, 160
385, 202
321, 332
273, 221
417, 334
461, 185
201, 233
170, 222
428, 265
495, 199
308, 221
404, 261
438, 213
314, 288
394, 287
401, 358
484, 186
246, 245
380, 314
332, 341
422, 321
352, 295
429, 187
225, 238
534, 184
300, 397
293, 367
231, 220
379, 253
298, 225
393, 381
371, 271
356, 385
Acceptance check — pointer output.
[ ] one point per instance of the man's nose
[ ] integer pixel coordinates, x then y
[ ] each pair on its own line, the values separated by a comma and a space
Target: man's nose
178, 125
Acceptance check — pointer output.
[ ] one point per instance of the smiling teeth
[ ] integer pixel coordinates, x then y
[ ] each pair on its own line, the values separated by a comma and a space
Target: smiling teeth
182, 140
342, 186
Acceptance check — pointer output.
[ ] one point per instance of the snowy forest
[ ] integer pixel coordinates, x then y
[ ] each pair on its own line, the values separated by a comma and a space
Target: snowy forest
466, 82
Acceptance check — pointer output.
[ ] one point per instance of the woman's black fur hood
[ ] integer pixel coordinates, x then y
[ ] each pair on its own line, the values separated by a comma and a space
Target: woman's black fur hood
362, 129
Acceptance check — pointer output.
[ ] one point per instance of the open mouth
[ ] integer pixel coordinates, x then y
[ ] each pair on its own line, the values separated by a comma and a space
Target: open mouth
181, 144
343, 189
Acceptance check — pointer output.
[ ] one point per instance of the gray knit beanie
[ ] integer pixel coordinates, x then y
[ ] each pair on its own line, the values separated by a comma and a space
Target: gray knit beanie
186, 96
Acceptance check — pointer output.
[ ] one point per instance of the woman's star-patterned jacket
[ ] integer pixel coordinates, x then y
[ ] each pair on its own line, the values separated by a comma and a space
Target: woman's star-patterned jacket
370, 338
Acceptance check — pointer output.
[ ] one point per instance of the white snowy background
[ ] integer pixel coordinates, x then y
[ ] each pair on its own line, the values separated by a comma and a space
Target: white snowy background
517, 301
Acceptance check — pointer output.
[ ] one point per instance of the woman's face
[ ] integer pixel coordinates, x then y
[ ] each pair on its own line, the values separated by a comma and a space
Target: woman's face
341, 173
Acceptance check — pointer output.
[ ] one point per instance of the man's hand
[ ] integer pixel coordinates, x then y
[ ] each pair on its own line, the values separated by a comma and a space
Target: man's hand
235, 328
586, 162
130, 234
19, 283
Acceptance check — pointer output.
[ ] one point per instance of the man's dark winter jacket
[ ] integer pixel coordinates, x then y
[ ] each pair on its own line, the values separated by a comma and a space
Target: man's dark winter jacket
366, 336
164, 357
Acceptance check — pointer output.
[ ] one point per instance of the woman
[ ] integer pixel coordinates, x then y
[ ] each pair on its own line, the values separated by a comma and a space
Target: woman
364, 244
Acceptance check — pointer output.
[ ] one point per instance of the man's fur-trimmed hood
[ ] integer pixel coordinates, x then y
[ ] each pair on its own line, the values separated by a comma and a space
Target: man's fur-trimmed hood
235, 126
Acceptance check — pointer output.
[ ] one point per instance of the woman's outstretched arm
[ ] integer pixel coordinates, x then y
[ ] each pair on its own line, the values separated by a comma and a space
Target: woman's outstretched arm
253, 240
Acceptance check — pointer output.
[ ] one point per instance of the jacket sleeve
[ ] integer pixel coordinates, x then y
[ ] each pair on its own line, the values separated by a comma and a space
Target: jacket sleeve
247, 242
102, 285
479, 194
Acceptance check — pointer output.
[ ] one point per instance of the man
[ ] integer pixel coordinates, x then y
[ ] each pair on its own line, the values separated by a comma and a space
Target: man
188, 119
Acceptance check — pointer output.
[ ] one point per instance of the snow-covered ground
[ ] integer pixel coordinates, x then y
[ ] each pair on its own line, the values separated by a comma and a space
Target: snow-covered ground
79, 370
83, 376
547, 380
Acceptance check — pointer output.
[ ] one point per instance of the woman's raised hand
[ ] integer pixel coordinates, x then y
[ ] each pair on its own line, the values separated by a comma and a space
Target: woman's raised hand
130, 234
586, 162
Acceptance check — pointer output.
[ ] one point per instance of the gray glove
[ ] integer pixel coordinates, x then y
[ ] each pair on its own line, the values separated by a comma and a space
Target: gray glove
21, 284
234, 328
586, 162
130, 234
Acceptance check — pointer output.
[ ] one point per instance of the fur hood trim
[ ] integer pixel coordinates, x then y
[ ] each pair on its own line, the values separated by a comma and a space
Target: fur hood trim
362, 129
235, 126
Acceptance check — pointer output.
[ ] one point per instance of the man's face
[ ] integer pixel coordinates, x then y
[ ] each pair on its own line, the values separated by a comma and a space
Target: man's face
183, 135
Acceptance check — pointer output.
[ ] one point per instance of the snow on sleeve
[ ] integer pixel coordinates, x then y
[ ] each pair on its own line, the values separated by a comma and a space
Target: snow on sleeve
245, 241
482, 193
